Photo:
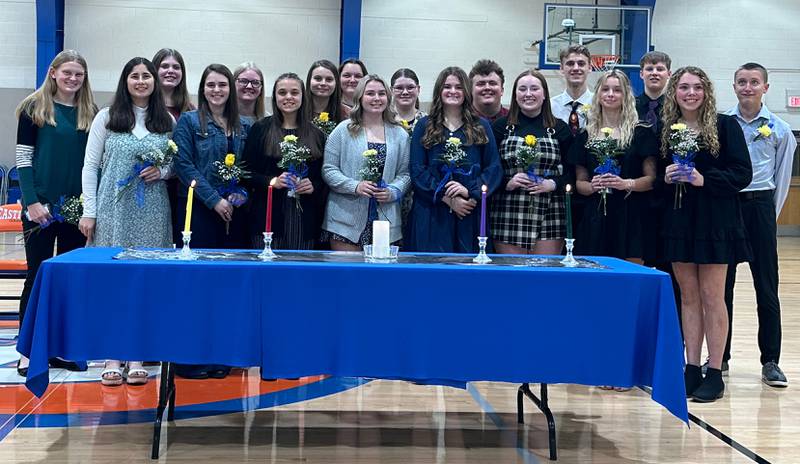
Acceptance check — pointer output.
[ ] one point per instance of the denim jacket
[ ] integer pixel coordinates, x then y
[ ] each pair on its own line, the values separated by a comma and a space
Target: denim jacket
198, 148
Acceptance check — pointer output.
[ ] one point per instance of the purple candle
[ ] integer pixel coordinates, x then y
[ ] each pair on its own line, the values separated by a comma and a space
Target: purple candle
483, 211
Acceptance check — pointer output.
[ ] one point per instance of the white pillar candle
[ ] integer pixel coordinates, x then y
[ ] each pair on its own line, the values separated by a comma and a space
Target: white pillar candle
380, 239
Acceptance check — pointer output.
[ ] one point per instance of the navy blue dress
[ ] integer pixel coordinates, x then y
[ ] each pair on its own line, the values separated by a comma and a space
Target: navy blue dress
432, 227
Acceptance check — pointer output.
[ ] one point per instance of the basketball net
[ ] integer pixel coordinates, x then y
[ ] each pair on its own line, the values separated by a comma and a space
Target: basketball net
604, 62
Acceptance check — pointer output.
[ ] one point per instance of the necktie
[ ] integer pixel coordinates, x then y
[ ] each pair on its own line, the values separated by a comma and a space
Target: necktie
574, 122
651, 117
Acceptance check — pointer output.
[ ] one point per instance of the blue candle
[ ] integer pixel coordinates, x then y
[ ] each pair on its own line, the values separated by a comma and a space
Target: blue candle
483, 211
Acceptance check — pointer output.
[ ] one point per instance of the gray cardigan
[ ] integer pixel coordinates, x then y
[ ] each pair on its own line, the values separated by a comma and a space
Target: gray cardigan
346, 212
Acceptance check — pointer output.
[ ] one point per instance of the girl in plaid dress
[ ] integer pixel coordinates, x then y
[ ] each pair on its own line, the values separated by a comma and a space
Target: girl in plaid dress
528, 214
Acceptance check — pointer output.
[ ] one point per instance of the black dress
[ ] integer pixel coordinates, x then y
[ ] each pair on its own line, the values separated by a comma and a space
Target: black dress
619, 229
708, 226
294, 228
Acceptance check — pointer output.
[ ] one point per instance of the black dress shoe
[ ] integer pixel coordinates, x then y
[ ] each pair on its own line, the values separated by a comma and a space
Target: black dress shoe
23, 371
712, 388
59, 363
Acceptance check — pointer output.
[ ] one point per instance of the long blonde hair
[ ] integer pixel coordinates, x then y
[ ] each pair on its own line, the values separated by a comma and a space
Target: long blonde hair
357, 113
629, 116
39, 105
707, 119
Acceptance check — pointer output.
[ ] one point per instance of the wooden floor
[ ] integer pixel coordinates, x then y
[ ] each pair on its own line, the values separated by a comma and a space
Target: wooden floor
349, 421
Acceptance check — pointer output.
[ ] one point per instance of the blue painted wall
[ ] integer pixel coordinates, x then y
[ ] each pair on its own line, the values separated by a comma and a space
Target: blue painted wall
49, 35
350, 30
634, 40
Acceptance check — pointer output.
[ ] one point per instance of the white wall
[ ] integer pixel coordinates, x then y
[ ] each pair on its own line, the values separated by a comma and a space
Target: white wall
428, 36
279, 36
721, 35
18, 36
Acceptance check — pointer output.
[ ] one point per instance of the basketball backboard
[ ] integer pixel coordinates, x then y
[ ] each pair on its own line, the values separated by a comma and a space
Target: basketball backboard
605, 30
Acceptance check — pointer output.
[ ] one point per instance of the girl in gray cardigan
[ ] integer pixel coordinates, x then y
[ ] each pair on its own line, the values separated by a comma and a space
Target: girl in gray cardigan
353, 203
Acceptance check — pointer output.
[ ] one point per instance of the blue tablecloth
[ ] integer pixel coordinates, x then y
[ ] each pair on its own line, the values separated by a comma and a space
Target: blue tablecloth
615, 326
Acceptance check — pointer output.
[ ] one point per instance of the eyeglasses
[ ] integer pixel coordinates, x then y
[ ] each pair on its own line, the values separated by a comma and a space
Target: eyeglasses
245, 82
400, 89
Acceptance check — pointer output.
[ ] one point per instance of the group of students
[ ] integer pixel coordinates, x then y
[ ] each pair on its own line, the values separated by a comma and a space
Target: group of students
432, 168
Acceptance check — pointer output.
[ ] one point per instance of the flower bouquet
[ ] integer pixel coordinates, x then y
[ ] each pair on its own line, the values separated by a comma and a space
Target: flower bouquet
157, 158
68, 210
294, 158
454, 160
324, 123
682, 142
605, 150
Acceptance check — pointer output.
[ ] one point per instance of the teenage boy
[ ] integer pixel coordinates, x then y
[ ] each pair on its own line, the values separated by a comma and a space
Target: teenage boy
654, 69
567, 106
487, 81
771, 145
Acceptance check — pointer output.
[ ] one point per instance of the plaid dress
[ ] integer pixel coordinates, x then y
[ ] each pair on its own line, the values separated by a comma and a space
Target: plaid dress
521, 219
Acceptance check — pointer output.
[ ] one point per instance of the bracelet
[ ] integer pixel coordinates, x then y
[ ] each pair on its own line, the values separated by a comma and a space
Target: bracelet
631, 184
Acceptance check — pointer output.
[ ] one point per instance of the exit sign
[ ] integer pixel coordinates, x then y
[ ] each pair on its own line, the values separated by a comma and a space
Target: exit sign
792, 98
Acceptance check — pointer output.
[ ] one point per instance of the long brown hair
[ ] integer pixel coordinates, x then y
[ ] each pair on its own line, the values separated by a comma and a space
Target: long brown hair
707, 119
307, 133
334, 107
231, 111
547, 114
121, 116
39, 105
180, 96
434, 129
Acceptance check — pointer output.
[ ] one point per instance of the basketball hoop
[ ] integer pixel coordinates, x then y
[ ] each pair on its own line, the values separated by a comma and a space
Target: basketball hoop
604, 62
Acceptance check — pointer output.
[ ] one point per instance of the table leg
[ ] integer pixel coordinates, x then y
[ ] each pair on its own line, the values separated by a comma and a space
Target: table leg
525, 390
171, 408
165, 392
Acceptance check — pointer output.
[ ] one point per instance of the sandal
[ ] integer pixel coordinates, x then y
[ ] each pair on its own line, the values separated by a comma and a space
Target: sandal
137, 375
111, 377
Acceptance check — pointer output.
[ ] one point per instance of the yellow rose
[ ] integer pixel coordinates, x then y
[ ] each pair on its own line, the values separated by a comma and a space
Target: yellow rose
765, 131
404, 123
80, 199
584, 108
290, 138
678, 126
370, 153
172, 145
607, 131
454, 140
530, 140
230, 159
324, 117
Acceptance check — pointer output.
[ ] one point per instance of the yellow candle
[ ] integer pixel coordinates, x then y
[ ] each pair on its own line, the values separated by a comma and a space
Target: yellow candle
187, 226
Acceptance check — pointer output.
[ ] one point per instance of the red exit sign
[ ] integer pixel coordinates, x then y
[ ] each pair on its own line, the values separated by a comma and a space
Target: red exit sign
793, 101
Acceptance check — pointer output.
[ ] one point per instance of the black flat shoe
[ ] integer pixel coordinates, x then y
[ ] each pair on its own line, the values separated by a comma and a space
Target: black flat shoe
59, 363
23, 371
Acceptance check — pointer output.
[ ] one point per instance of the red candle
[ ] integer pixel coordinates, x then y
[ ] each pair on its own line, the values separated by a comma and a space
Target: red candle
269, 204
